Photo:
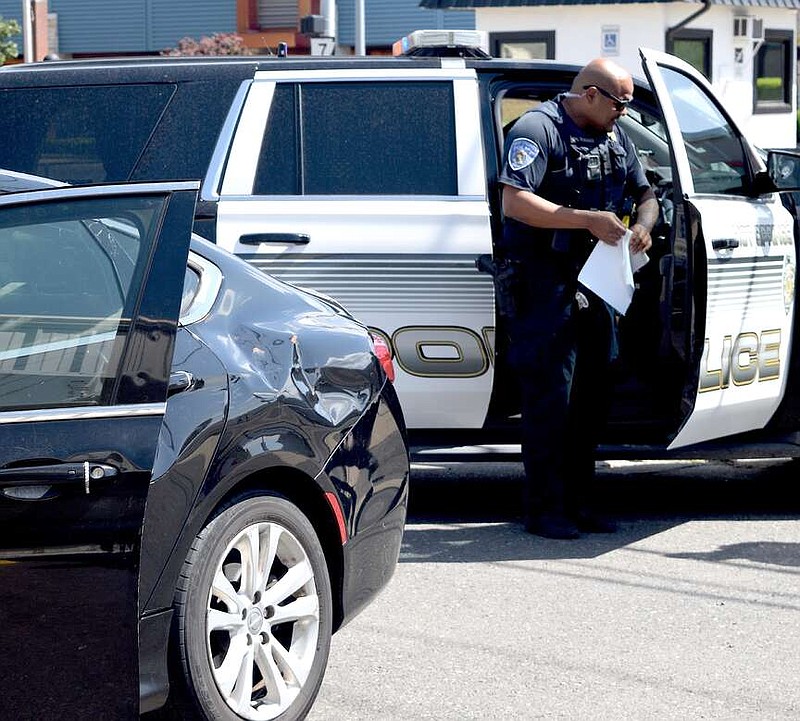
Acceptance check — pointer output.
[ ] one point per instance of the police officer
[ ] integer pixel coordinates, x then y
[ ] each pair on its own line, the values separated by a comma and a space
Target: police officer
569, 175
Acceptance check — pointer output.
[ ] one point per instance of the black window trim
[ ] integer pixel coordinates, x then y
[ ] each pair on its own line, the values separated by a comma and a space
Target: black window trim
548, 37
694, 34
763, 107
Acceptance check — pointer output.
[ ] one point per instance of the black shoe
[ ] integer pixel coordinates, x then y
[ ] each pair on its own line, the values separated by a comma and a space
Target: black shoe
588, 523
552, 527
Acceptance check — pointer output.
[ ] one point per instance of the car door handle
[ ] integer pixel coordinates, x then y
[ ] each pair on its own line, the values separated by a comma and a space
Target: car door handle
57, 474
180, 381
724, 244
256, 238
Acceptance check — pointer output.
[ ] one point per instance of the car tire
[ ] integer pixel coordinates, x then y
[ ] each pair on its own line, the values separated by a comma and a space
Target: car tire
253, 640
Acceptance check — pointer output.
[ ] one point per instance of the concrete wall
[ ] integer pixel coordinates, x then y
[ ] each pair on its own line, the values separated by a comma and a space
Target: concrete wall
578, 39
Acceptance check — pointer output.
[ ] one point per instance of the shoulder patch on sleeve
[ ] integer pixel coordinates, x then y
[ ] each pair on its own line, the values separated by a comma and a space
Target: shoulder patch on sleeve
522, 153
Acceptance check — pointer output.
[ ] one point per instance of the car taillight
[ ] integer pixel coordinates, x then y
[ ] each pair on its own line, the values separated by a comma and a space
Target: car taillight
384, 355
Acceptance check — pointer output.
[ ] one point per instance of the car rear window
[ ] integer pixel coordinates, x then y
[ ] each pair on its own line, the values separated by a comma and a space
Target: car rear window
85, 134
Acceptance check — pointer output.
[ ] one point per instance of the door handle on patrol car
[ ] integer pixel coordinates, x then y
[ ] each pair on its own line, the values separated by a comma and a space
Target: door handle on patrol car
724, 244
256, 238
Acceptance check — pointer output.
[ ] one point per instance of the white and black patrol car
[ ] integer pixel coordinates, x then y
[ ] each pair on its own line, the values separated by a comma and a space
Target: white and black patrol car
374, 181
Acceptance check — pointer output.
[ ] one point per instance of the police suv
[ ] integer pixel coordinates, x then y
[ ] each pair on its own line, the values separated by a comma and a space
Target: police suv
374, 181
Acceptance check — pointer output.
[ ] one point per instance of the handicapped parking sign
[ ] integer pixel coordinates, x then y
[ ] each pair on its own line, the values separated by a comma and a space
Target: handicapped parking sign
610, 40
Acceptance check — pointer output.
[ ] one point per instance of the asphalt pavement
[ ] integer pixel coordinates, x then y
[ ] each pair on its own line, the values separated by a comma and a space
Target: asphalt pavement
690, 611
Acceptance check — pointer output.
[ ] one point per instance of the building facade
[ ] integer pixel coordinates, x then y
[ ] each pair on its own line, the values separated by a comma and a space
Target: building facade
746, 48
80, 28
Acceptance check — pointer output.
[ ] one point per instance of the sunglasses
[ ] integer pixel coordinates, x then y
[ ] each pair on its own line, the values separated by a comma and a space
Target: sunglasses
619, 103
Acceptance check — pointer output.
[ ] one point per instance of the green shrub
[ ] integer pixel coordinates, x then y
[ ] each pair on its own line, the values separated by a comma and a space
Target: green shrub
769, 88
8, 49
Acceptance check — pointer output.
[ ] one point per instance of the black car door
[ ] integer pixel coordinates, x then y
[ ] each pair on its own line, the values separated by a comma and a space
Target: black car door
90, 287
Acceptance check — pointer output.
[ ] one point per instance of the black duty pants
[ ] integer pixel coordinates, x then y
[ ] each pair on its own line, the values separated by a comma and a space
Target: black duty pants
561, 354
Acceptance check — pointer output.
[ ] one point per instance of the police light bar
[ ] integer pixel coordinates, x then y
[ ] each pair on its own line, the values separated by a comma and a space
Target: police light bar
463, 43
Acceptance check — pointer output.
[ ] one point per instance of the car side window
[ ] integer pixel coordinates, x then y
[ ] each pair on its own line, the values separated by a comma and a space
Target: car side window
191, 285
513, 105
278, 171
716, 156
86, 134
69, 281
360, 138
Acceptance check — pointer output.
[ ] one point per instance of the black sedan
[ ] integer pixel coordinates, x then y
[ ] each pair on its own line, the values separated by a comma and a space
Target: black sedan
203, 471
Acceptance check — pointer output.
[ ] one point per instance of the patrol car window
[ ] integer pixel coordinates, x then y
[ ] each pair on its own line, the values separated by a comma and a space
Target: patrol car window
70, 275
389, 138
185, 135
64, 132
648, 136
514, 101
278, 168
716, 156
511, 109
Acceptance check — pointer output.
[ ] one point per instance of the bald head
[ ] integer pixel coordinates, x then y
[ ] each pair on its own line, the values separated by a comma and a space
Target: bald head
594, 91
606, 74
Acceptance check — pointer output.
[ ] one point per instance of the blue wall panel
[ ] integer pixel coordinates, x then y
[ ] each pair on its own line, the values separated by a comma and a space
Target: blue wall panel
94, 26
12, 10
389, 20
103, 26
172, 20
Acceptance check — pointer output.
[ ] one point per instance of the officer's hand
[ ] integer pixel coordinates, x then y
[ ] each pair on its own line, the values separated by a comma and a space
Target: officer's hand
640, 239
606, 226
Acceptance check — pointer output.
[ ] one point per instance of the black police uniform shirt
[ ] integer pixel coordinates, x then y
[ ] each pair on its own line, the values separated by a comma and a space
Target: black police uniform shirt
548, 154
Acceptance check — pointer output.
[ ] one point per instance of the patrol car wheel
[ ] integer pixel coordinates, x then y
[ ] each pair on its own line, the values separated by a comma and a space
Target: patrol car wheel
254, 613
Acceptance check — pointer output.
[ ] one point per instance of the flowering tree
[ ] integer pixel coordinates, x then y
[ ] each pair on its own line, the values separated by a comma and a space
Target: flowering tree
8, 49
216, 44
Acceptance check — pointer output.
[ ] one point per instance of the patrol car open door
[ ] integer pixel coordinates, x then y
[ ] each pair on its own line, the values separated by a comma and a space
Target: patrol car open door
735, 249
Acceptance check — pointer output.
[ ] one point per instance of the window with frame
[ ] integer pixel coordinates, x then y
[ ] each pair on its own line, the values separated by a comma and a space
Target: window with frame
277, 13
717, 159
693, 46
359, 138
70, 277
773, 68
511, 104
81, 134
539, 45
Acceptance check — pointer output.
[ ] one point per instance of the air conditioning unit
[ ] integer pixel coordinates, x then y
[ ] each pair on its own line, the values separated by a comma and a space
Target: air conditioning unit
313, 25
747, 27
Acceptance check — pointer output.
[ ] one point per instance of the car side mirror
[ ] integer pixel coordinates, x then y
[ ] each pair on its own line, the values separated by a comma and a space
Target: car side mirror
762, 183
783, 170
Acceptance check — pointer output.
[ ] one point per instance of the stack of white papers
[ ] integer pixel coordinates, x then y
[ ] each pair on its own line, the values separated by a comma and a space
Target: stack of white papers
609, 271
